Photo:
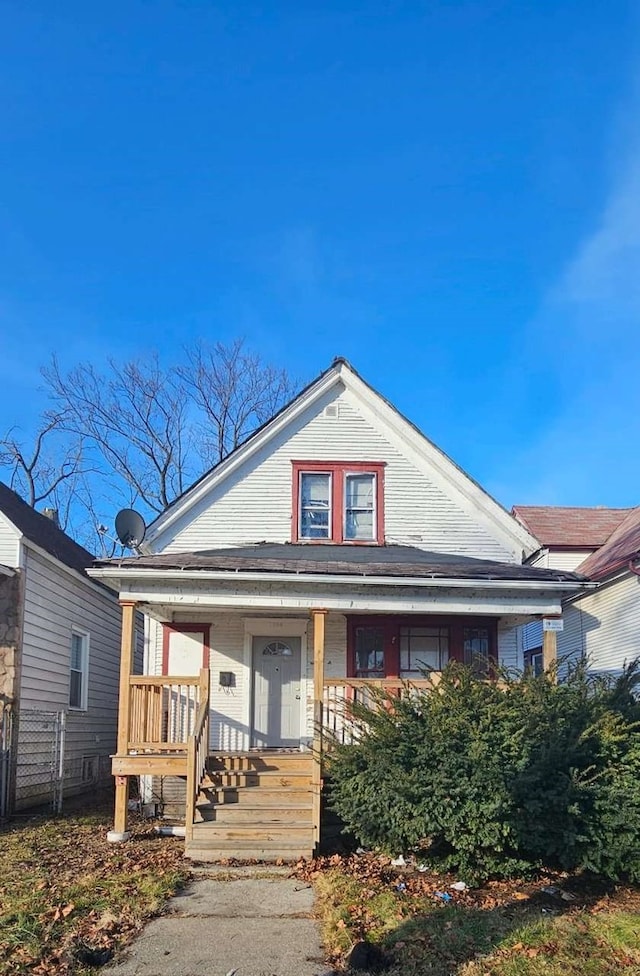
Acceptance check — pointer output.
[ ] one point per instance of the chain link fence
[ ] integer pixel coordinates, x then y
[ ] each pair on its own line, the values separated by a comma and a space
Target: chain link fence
6, 739
39, 760
38, 768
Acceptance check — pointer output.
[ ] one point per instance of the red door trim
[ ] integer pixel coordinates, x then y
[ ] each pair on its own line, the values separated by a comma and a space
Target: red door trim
168, 629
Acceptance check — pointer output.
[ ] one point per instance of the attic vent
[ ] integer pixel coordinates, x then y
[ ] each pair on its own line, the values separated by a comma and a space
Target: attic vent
332, 411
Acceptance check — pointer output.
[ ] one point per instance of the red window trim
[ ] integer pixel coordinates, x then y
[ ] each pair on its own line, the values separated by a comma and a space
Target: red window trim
168, 629
338, 470
391, 626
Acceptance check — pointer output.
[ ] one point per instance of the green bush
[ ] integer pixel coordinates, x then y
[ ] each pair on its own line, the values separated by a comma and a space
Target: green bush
492, 780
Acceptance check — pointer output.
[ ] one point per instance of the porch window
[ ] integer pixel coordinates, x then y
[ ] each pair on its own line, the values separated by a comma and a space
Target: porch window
369, 652
315, 505
476, 647
359, 506
79, 670
423, 649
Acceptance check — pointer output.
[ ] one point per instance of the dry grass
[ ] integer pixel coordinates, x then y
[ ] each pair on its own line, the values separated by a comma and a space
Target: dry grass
69, 900
499, 930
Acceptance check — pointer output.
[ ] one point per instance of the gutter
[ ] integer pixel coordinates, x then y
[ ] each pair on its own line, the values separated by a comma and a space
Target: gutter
115, 573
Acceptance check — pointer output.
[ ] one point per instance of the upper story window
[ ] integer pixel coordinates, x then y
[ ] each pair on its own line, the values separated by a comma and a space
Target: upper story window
338, 501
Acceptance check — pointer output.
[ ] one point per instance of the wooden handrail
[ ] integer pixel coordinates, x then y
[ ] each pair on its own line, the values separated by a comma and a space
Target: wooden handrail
382, 682
159, 680
197, 752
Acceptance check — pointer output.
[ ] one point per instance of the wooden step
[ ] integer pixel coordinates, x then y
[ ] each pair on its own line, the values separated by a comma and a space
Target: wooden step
269, 855
252, 778
268, 762
255, 795
255, 832
281, 813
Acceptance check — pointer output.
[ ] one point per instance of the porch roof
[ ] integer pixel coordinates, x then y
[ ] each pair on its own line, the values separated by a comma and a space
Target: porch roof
301, 560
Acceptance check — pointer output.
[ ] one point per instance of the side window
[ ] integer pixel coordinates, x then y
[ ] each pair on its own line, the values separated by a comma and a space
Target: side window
79, 672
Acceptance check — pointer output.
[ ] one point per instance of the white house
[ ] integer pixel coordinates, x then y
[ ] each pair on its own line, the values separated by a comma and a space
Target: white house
336, 548
59, 661
601, 624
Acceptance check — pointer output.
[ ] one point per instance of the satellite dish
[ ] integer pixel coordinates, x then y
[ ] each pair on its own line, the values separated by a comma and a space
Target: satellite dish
130, 528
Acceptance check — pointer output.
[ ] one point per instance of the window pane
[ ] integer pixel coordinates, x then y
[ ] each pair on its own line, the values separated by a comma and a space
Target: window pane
315, 506
476, 648
77, 647
369, 652
75, 692
359, 506
423, 648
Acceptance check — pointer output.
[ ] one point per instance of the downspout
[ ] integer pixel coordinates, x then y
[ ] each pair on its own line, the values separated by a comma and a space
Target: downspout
632, 568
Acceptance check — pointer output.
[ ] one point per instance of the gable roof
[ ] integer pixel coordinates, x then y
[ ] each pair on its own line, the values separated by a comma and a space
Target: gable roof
622, 546
580, 528
341, 372
42, 531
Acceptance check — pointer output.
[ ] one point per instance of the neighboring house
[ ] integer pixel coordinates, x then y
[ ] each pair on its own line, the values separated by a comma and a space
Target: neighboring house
603, 544
59, 660
336, 548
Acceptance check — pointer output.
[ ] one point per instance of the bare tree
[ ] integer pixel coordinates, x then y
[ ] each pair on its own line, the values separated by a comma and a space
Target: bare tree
236, 392
152, 430
48, 470
136, 417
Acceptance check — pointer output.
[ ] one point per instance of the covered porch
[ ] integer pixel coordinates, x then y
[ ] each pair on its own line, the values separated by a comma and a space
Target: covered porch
273, 658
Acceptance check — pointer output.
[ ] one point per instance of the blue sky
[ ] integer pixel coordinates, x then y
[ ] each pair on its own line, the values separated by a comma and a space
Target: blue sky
448, 194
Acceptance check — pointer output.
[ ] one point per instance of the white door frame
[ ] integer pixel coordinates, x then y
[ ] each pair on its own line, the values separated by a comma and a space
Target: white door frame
275, 627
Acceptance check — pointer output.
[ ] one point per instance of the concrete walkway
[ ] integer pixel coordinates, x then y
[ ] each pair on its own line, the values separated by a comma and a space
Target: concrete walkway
257, 925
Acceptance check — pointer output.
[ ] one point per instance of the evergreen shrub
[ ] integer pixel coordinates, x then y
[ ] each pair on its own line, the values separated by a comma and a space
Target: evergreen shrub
496, 779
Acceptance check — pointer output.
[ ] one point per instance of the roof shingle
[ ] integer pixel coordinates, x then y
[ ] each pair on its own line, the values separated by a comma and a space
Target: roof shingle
620, 548
342, 560
43, 532
580, 528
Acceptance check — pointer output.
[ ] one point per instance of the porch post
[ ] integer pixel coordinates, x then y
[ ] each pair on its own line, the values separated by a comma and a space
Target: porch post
549, 649
120, 832
318, 617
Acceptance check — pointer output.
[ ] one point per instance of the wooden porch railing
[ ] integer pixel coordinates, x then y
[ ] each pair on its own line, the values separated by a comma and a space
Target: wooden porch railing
163, 711
197, 752
340, 694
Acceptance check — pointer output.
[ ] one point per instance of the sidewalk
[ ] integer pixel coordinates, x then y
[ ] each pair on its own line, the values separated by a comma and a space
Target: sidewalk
256, 925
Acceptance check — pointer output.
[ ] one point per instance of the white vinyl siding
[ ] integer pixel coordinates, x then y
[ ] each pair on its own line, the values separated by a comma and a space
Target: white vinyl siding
604, 625
9, 543
56, 602
509, 647
255, 502
569, 561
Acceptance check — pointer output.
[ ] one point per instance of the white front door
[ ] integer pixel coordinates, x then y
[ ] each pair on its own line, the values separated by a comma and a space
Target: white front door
276, 692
